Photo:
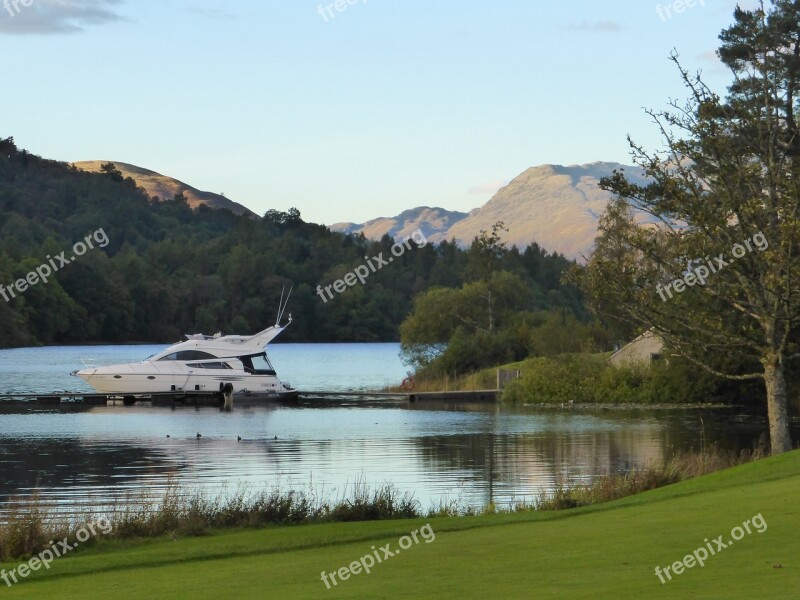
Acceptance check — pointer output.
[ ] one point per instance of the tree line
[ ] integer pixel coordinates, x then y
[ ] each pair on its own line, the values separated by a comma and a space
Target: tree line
168, 270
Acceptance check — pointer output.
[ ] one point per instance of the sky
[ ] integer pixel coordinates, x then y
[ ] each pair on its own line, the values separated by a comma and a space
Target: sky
351, 110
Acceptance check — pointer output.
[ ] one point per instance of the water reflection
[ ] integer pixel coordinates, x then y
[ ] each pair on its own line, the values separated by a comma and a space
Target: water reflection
474, 454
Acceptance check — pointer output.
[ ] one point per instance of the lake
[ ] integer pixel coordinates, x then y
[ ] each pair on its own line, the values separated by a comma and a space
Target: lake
469, 453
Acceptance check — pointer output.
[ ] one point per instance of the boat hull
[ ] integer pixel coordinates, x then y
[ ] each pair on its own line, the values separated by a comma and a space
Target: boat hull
123, 381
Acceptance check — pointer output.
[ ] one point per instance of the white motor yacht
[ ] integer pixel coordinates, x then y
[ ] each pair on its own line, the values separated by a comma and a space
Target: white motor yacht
201, 363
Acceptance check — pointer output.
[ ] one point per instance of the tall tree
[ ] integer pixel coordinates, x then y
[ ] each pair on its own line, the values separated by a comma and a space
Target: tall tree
485, 253
716, 269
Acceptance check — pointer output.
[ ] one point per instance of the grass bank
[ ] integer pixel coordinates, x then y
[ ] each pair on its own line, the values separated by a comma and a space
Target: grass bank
601, 551
485, 379
588, 378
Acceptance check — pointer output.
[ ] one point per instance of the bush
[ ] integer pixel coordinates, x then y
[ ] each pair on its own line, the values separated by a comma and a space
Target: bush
563, 379
561, 332
589, 378
467, 353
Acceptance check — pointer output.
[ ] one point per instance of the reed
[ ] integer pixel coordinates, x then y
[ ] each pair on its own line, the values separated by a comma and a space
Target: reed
29, 526
612, 486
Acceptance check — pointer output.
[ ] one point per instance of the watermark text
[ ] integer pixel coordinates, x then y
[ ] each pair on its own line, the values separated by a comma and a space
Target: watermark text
701, 554
668, 11
43, 272
13, 6
700, 274
377, 556
374, 264
339, 6
56, 550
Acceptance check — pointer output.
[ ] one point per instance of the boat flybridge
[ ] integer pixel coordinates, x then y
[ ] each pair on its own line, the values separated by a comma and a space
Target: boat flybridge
201, 363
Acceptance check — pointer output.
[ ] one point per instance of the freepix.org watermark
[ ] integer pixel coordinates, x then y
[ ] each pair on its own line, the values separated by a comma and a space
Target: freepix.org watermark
13, 6
665, 13
327, 11
361, 272
377, 556
43, 272
56, 550
701, 554
700, 274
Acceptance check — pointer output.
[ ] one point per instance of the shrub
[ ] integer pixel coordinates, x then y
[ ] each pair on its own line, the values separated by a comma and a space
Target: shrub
589, 378
555, 380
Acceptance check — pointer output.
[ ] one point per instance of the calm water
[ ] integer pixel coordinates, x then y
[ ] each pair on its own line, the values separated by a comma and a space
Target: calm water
307, 367
470, 453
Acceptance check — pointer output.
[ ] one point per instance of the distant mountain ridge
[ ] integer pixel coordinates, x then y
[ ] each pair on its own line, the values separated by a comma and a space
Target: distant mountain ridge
556, 206
433, 222
162, 186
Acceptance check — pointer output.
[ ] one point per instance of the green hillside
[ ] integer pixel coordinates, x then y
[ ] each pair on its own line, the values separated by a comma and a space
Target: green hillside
165, 269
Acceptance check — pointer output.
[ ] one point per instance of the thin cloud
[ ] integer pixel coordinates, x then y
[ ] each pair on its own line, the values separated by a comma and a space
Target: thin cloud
45, 17
597, 27
490, 187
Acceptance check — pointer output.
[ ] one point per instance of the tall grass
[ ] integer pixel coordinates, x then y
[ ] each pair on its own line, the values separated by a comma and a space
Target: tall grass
193, 513
30, 526
612, 486
485, 379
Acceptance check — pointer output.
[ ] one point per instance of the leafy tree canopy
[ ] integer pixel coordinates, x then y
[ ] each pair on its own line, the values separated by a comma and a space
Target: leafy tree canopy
717, 274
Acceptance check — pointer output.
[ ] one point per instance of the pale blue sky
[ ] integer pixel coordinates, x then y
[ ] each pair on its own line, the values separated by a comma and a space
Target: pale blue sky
386, 105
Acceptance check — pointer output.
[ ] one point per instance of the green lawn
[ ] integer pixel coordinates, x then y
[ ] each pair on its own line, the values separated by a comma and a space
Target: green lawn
606, 551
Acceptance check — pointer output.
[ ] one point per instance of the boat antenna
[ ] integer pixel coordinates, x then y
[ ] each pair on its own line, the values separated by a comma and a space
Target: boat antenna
282, 305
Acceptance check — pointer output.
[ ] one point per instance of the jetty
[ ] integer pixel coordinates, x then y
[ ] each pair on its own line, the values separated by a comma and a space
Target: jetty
93, 399
199, 398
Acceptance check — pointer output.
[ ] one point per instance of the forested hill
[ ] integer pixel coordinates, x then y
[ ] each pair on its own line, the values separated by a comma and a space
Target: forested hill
167, 270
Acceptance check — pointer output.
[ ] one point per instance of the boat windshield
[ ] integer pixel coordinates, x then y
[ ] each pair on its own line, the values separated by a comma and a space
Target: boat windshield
257, 364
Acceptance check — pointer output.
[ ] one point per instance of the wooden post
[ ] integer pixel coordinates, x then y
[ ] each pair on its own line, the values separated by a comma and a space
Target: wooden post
227, 393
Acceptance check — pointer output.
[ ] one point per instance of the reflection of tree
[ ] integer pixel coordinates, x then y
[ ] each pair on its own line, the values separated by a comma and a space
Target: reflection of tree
58, 462
499, 466
495, 454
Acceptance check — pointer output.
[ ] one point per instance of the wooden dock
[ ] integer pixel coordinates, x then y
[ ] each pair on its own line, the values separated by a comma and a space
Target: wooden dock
468, 396
194, 398
82, 398
322, 395
458, 396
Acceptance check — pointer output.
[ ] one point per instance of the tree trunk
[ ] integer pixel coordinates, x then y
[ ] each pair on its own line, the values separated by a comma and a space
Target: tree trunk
779, 436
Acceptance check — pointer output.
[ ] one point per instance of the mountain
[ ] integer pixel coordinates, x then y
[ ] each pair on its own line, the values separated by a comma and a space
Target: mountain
433, 222
165, 187
556, 206
160, 269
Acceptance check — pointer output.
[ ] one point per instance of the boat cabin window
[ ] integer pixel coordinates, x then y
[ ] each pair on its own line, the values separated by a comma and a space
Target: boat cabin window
257, 364
188, 355
210, 365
